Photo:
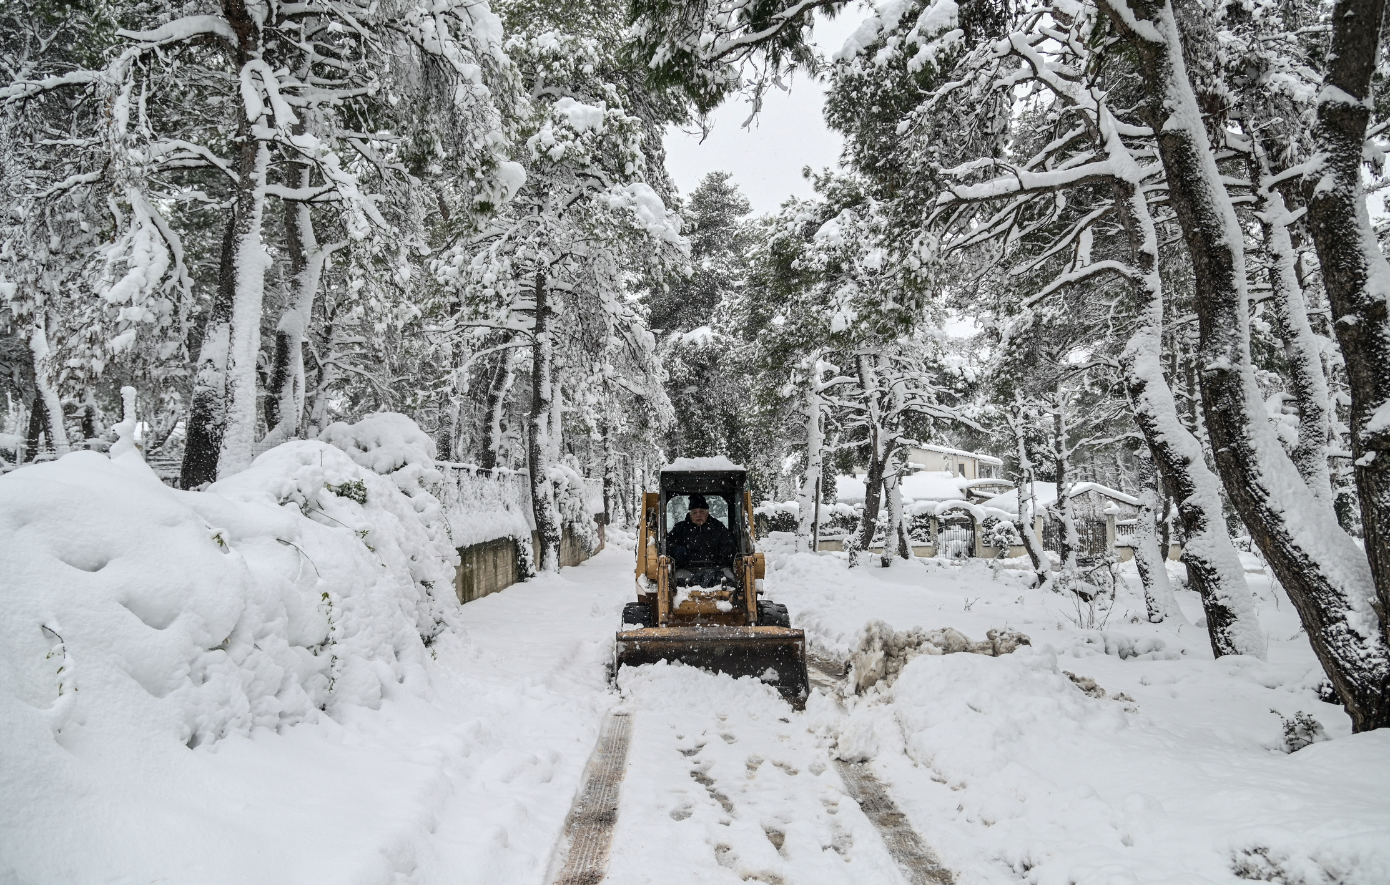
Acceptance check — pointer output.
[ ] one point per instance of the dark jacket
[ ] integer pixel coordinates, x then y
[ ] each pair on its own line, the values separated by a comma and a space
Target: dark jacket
708, 544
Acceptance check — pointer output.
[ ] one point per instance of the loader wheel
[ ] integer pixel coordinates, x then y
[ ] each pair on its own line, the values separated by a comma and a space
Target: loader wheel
773, 614
638, 613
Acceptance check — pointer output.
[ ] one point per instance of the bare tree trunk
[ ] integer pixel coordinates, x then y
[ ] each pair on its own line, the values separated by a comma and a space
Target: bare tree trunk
539, 445
1354, 269
1324, 573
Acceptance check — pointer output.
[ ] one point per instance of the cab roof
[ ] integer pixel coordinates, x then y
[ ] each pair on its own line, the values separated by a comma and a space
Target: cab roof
715, 464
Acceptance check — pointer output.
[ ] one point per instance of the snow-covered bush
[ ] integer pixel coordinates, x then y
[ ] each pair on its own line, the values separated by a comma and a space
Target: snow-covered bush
838, 520
1000, 533
131, 607
1300, 730
772, 516
572, 501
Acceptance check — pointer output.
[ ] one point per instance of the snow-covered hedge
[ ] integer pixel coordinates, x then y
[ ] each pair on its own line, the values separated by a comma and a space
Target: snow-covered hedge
306, 583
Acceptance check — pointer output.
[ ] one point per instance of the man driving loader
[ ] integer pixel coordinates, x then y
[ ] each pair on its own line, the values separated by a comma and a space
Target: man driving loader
702, 546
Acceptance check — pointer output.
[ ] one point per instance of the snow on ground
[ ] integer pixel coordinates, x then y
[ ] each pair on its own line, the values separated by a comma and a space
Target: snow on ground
166, 712
726, 784
1013, 773
263, 708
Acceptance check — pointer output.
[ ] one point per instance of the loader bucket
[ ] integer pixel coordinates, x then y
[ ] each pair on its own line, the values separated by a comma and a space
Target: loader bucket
777, 655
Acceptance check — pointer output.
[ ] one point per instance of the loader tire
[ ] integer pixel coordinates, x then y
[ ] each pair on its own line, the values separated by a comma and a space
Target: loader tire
773, 614
638, 613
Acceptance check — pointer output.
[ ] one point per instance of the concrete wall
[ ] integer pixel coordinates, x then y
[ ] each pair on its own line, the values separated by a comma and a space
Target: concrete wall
491, 566
485, 568
1125, 553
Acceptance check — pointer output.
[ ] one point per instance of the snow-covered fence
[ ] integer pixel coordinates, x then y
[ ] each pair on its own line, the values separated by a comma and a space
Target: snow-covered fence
484, 504
493, 525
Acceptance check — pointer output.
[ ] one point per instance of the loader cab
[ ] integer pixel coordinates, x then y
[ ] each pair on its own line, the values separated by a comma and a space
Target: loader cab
671, 596
725, 491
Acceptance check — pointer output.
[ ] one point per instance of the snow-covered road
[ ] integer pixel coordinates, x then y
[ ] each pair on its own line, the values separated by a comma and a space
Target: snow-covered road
1006, 768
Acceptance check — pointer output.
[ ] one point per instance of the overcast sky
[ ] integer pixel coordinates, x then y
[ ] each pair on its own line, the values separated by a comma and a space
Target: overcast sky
766, 159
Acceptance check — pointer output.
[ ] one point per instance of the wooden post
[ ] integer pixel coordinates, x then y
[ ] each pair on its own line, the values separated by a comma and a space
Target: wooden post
815, 524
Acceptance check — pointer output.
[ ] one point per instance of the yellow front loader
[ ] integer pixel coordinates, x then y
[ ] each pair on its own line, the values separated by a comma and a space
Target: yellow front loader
724, 627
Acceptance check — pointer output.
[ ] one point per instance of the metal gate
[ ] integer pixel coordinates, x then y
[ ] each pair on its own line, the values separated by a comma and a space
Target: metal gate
1090, 532
956, 540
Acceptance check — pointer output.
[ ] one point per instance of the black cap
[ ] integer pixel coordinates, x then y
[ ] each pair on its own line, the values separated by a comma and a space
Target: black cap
698, 502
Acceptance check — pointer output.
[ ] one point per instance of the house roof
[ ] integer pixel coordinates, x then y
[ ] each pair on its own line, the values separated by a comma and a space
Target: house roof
1045, 493
960, 453
924, 485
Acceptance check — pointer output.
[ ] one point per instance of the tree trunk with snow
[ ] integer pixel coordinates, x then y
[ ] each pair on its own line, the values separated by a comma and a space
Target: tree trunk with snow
610, 473
1213, 565
45, 378
207, 410
1301, 346
881, 445
539, 445
1068, 537
284, 401
223, 411
894, 536
497, 393
1355, 271
1027, 509
249, 264
815, 443
1324, 573
1151, 562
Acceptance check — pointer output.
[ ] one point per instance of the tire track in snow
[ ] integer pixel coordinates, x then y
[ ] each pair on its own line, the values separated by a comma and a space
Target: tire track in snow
589, 829
918, 861
907, 848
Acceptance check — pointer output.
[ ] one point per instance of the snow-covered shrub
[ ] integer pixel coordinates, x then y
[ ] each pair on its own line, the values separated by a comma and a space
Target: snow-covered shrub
572, 501
919, 526
389, 444
999, 533
776, 517
393, 446
1300, 730
129, 607
839, 520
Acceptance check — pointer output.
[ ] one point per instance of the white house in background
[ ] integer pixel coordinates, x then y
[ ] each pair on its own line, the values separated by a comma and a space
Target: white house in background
970, 465
1089, 498
924, 485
